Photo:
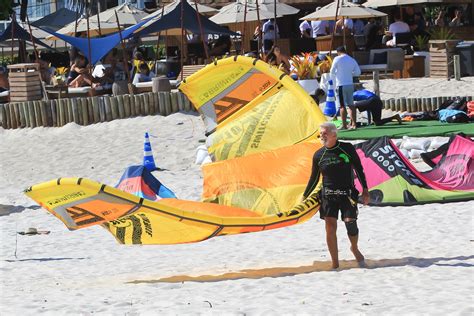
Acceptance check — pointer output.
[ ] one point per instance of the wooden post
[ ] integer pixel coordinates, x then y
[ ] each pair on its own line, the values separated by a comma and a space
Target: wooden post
96, 109
126, 106
174, 102
376, 82
114, 107
84, 111
44, 113
102, 110
137, 104
457, 67
121, 107
54, 113
403, 105
108, 108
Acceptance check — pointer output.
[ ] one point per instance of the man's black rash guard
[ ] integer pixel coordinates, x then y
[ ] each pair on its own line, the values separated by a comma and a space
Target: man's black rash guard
336, 165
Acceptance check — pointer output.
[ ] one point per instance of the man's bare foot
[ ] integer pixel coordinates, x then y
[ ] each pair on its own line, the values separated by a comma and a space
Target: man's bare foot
335, 266
352, 127
342, 128
358, 255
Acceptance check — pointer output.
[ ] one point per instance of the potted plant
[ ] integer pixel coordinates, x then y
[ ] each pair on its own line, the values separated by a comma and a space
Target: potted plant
421, 48
305, 71
442, 45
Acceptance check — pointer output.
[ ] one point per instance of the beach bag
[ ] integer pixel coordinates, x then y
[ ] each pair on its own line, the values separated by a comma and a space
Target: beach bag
453, 116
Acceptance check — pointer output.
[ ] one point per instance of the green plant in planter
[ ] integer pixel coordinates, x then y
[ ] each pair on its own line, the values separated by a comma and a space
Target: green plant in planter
442, 33
421, 42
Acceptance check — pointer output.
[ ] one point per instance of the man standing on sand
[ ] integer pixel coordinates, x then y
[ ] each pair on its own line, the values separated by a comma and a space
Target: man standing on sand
337, 161
343, 68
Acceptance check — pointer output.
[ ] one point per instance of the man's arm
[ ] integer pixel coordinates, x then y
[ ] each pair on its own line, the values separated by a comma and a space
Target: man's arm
357, 165
314, 179
333, 67
356, 71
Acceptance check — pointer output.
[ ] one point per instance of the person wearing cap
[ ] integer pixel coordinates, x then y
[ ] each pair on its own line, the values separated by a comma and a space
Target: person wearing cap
344, 68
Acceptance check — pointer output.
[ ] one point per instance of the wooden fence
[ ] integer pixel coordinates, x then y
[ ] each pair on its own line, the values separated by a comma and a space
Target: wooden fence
417, 104
85, 111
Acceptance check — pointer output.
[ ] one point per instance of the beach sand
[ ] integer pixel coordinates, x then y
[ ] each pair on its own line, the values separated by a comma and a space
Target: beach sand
420, 258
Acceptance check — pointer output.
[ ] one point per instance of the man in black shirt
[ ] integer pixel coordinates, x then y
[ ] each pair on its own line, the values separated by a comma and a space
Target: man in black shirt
337, 161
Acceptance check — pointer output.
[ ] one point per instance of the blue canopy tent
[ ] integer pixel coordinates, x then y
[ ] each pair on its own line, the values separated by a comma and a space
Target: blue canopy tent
19, 33
172, 20
99, 46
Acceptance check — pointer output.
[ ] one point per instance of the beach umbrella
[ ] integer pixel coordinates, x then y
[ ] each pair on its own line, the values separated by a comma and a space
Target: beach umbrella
235, 12
203, 9
389, 3
127, 15
105, 28
56, 20
346, 10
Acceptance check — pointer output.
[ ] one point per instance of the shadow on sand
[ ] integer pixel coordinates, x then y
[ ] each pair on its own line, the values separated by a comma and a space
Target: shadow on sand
45, 259
317, 266
10, 209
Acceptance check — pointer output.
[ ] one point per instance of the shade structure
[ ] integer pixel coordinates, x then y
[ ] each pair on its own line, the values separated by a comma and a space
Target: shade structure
346, 10
235, 12
19, 33
389, 3
56, 20
172, 21
99, 47
203, 9
128, 15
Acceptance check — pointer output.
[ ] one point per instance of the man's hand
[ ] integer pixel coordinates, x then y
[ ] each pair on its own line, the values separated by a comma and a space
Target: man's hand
365, 196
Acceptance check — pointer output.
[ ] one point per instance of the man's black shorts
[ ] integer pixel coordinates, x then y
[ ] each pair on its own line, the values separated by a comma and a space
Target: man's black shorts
332, 204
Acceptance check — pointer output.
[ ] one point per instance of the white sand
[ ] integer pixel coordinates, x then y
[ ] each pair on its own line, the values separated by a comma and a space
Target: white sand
421, 257
423, 87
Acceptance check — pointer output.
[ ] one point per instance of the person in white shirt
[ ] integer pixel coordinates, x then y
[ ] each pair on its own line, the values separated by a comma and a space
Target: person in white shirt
343, 68
305, 29
270, 32
396, 27
320, 28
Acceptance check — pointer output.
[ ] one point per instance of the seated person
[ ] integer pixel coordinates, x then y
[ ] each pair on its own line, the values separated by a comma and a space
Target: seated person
396, 27
79, 75
457, 20
365, 100
47, 72
144, 74
276, 58
4, 84
221, 46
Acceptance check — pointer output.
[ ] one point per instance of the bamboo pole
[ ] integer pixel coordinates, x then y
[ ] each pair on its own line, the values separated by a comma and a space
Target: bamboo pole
335, 22
89, 40
98, 17
259, 41
204, 44
242, 38
13, 17
125, 65
182, 39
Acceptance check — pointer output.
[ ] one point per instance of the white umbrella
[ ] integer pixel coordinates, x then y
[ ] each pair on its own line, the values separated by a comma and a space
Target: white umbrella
346, 10
388, 3
235, 12
105, 28
203, 9
127, 14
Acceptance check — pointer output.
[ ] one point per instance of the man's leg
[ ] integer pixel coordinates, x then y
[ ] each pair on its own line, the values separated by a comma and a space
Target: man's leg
331, 240
353, 115
353, 234
396, 117
342, 107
